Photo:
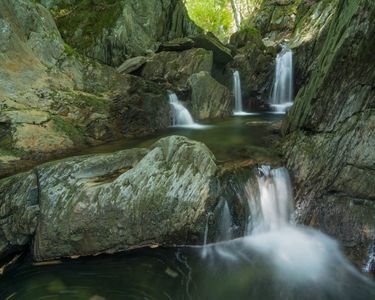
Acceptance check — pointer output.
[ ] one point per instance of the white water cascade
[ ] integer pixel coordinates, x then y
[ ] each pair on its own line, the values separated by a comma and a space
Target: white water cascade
238, 106
282, 92
298, 256
181, 117
237, 93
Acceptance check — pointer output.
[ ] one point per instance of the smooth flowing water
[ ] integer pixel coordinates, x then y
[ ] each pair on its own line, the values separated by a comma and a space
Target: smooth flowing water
238, 104
181, 117
229, 139
282, 92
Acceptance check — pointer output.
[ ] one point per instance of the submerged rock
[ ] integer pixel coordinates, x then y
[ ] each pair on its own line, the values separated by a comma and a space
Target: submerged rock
108, 203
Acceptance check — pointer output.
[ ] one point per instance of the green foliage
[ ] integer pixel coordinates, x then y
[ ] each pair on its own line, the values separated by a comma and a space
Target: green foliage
212, 15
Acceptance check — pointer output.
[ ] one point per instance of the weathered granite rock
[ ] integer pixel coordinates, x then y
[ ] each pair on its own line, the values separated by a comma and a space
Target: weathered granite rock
19, 211
132, 64
112, 31
329, 132
209, 99
176, 67
113, 202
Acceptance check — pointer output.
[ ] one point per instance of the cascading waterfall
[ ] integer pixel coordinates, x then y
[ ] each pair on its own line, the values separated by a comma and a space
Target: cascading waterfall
282, 92
181, 117
238, 106
298, 256
237, 93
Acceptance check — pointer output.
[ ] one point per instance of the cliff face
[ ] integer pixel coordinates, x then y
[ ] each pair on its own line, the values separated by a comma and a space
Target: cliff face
112, 31
52, 99
329, 133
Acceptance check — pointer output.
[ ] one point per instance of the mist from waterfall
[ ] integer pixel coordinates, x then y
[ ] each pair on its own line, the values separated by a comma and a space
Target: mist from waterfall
283, 86
181, 117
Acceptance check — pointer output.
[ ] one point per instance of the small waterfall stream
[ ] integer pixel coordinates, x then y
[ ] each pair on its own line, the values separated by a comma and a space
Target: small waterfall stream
238, 104
238, 109
282, 91
180, 115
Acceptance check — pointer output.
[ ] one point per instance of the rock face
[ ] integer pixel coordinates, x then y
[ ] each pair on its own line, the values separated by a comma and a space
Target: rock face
53, 100
209, 99
329, 132
112, 31
114, 202
255, 63
19, 210
174, 68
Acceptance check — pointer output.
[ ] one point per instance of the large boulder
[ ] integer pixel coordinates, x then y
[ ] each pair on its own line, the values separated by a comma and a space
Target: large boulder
209, 99
174, 68
330, 132
255, 63
112, 202
19, 210
112, 31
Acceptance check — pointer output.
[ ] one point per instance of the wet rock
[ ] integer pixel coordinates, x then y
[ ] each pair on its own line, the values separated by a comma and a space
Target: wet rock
19, 212
108, 203
209, 99
329, 131
255, 63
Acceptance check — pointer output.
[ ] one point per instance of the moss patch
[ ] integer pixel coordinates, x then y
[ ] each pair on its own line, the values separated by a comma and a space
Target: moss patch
82, 16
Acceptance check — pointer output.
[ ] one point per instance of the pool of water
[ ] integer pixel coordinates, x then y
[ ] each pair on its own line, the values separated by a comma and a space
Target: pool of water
233, 138
234, 272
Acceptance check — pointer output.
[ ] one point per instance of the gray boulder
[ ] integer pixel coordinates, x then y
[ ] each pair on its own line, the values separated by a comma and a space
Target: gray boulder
209, 99
132, 198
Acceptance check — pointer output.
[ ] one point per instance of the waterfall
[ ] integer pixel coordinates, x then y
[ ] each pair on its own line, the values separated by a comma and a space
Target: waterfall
225, 223
237, 93
275, 197
298, 256
238, 106
282, 92
181, 117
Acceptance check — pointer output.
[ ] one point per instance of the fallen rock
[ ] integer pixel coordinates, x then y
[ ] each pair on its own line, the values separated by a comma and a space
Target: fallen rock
176, 67
132, 65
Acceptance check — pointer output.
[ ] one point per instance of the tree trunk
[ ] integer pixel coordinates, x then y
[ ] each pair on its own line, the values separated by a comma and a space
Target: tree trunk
236, 13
